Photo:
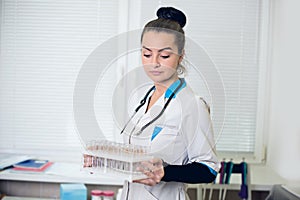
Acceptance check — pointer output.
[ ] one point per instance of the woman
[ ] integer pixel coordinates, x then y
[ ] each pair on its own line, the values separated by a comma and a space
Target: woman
173, 120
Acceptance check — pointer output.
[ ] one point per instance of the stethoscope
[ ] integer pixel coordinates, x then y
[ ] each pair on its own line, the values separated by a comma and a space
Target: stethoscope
142, 103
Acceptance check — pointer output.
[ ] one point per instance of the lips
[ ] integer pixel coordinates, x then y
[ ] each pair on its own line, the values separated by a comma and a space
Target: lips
155, 73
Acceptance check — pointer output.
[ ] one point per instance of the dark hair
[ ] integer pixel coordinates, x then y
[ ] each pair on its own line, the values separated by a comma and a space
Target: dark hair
172, 14
169, 20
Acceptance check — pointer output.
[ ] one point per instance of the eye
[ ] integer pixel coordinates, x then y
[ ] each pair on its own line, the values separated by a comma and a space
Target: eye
165, 56
147, 55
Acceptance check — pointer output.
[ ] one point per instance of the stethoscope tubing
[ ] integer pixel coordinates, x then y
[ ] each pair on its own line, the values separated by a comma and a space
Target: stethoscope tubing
142, 103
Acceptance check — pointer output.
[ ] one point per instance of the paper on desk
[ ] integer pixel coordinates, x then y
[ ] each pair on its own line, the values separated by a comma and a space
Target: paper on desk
64, 169
7, 160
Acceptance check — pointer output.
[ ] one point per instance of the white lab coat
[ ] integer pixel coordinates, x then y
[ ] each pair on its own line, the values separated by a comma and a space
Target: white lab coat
182, 135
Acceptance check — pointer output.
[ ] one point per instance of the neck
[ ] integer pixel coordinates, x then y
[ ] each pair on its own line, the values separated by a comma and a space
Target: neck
160, 88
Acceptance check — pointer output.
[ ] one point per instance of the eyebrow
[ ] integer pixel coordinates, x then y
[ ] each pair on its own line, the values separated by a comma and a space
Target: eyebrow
160, 50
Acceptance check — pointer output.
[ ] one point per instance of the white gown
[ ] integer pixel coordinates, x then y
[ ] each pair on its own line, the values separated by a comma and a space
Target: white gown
182, 135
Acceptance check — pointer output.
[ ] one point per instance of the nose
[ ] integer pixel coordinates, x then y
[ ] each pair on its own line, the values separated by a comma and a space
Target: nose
155, 61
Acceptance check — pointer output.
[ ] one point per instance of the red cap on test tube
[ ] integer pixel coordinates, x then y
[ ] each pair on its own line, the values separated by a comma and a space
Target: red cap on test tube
96, 193
108, 193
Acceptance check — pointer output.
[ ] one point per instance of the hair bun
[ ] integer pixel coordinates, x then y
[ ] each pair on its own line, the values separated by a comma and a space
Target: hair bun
172, 14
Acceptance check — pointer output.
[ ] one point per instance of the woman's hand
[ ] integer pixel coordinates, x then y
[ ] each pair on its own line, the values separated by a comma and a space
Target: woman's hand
154, 171
87, 160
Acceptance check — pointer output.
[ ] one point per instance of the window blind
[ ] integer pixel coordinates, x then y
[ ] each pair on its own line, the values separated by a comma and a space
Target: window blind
43, 45
229, 31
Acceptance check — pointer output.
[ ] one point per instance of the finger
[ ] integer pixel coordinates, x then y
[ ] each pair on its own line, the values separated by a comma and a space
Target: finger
150, 165
145, 167
147, 181
156, 161
150, 174
87, 160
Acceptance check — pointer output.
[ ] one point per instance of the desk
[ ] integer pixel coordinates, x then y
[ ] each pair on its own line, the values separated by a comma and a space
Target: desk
24, 198
47, 184
62, 173
262, 178
282, 192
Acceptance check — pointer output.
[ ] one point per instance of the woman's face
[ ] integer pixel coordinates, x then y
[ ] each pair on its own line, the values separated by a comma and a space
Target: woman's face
160, 57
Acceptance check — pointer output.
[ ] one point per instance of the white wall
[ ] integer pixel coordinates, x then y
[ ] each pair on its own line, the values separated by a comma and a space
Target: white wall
284, 116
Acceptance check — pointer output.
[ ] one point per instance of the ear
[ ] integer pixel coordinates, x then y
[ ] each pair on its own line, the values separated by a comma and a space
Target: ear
181, 56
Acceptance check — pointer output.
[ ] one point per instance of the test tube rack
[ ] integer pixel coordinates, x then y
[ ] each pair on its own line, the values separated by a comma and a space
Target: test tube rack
122, 160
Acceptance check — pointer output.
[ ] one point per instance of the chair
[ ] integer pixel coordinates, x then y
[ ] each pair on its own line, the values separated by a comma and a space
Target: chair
227, 168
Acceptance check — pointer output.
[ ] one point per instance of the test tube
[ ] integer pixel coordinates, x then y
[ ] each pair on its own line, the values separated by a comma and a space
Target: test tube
108, 156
